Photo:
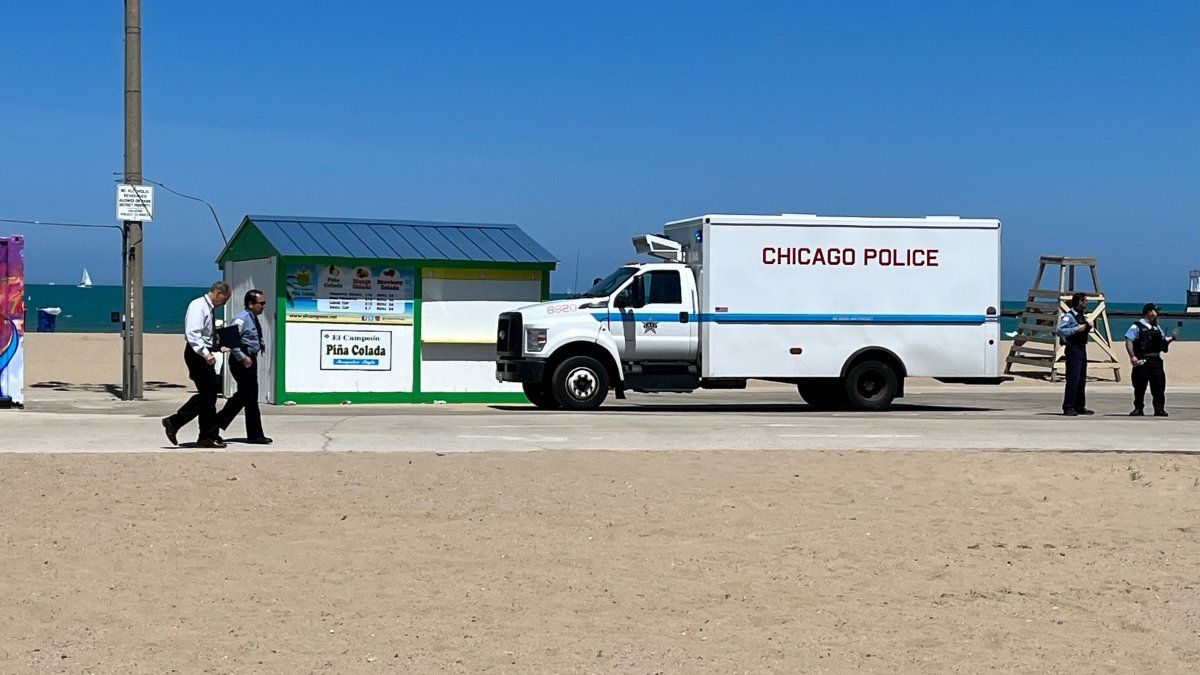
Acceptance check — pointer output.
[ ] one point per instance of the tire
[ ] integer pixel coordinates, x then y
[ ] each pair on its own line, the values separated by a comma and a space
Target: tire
823, 394
580, 383
540, 395
871, 385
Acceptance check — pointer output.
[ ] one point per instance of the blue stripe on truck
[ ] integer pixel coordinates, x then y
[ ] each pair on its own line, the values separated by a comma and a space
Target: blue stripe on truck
891, 319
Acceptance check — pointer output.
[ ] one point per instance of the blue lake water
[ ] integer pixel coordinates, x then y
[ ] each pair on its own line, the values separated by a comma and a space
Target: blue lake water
87, 310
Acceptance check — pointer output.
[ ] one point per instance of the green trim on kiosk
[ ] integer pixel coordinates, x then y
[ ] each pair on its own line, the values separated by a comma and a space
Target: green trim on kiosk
280, 344
418, 289
368, 397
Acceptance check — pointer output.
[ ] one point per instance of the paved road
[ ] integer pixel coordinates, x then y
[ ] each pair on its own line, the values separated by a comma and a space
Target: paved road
763, 418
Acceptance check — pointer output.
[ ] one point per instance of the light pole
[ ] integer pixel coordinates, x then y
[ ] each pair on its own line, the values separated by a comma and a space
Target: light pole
131, 250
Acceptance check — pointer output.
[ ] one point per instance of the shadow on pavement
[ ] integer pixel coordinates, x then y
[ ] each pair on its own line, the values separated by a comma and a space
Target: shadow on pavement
738, 408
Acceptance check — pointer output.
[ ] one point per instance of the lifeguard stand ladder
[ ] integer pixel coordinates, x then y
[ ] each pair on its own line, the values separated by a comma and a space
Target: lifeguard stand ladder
1036, 344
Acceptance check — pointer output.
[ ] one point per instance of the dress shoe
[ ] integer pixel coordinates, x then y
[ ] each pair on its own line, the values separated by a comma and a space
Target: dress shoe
1161, 413
1070, 413
262, 440
210, 443
1085, 411
1137, 412
170, 430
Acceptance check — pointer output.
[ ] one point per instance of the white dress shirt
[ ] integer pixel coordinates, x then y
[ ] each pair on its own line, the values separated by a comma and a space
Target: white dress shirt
198, 325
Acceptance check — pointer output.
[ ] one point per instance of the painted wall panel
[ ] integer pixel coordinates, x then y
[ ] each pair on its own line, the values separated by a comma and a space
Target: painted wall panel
463, 321
303, 372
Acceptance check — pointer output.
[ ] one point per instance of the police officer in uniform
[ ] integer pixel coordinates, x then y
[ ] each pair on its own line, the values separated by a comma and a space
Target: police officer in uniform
1146, 342
1073, 330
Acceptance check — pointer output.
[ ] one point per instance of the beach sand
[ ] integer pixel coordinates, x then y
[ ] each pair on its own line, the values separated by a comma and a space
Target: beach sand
588, 561
570, 561
93, 361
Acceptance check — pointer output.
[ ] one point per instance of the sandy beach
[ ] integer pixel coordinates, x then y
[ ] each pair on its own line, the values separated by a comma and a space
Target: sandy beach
576, 562
696, 558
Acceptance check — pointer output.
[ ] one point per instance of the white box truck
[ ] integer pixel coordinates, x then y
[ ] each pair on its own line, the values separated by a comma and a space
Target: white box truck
845, 308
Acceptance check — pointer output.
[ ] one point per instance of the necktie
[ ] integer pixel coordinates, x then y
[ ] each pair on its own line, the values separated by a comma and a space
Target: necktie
262, 342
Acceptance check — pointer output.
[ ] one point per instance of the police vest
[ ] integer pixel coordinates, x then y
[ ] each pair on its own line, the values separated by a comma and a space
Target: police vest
1149, 341
1079, 337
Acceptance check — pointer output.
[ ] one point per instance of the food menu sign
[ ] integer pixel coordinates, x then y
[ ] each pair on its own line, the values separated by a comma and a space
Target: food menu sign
335, 293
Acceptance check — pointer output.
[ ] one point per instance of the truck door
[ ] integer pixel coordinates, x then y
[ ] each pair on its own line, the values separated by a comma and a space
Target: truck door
656, 314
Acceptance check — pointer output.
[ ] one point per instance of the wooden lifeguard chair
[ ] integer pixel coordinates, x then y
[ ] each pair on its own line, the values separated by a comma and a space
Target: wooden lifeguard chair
1036, 344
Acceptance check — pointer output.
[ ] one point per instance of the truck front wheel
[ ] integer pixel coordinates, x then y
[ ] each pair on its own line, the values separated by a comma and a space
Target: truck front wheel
539, 394
871, 385
580, 383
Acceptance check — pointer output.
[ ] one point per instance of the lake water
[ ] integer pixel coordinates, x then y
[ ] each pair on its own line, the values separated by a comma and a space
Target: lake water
87, 310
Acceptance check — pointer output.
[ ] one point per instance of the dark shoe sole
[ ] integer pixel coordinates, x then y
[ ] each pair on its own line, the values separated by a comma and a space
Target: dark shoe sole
169, 431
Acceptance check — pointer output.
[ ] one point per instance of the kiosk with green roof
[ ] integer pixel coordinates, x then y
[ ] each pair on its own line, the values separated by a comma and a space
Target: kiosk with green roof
383, 311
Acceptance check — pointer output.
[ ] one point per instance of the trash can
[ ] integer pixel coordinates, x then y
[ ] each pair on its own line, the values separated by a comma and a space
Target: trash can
46, 318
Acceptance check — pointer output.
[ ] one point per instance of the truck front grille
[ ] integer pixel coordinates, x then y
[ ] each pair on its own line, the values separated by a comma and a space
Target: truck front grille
508, 334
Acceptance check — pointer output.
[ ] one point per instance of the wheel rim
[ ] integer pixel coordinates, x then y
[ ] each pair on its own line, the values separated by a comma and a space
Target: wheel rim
582, 383
871, 385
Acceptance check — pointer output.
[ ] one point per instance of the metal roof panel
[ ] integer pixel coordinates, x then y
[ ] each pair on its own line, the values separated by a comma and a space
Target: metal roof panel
400, 239
346, 235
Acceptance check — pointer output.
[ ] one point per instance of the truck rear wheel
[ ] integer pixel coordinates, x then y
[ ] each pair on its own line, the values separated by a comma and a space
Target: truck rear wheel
580, 383
539, 394
871, 385
823, 394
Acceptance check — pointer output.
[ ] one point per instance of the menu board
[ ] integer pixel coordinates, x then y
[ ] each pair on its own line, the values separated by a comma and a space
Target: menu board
340, 294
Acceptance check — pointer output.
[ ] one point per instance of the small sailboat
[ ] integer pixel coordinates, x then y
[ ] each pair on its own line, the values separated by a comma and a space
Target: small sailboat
86, 280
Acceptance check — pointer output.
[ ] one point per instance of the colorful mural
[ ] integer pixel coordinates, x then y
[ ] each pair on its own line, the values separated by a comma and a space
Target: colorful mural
12, 318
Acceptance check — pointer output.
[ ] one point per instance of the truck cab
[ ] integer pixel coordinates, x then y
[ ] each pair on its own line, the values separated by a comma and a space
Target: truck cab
636, 329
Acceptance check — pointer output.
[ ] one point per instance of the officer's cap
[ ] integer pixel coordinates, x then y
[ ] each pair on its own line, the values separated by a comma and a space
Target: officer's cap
1150, 307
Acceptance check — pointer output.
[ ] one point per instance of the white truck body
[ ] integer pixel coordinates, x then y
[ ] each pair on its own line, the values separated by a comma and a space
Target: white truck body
792, 298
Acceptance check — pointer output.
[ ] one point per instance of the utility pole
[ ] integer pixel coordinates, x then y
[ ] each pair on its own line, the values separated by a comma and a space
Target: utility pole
131, 251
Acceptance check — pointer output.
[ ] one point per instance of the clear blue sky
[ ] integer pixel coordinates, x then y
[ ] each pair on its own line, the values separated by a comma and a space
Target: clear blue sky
1076, 123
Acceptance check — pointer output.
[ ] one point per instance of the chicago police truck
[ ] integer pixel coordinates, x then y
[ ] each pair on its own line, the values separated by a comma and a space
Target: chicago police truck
845, 308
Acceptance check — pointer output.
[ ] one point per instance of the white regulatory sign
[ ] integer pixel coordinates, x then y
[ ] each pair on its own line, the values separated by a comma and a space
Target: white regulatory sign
135, 202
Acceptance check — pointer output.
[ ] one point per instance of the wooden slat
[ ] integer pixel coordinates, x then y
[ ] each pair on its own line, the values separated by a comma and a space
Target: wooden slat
1021, 349
1038, 363
1043, 307
1040, 339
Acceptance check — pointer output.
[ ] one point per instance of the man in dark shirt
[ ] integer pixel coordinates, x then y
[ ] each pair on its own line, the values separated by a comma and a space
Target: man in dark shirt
243, 365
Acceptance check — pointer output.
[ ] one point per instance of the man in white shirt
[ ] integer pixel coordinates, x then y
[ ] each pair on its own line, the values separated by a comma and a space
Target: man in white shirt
199, 354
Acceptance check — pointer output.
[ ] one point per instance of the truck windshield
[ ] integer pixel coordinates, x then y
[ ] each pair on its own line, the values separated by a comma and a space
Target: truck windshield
609, 284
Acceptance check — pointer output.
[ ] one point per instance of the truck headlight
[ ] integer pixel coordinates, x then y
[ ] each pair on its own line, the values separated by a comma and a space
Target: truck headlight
535, 339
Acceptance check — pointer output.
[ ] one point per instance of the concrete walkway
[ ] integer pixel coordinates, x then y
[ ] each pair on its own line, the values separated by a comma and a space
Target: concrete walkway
1010, 418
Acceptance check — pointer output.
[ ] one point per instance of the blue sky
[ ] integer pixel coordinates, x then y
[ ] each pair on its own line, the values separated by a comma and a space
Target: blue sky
1076, 123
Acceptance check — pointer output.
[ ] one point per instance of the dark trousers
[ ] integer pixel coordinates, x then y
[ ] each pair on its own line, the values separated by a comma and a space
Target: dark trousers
245, 398
1150, 373
1074, 398
204, 403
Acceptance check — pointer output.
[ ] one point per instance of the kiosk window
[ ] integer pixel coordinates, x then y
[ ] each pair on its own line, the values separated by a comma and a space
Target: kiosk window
662, 288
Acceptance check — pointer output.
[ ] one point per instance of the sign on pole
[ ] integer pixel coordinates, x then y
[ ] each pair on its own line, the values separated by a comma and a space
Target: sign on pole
135, 202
